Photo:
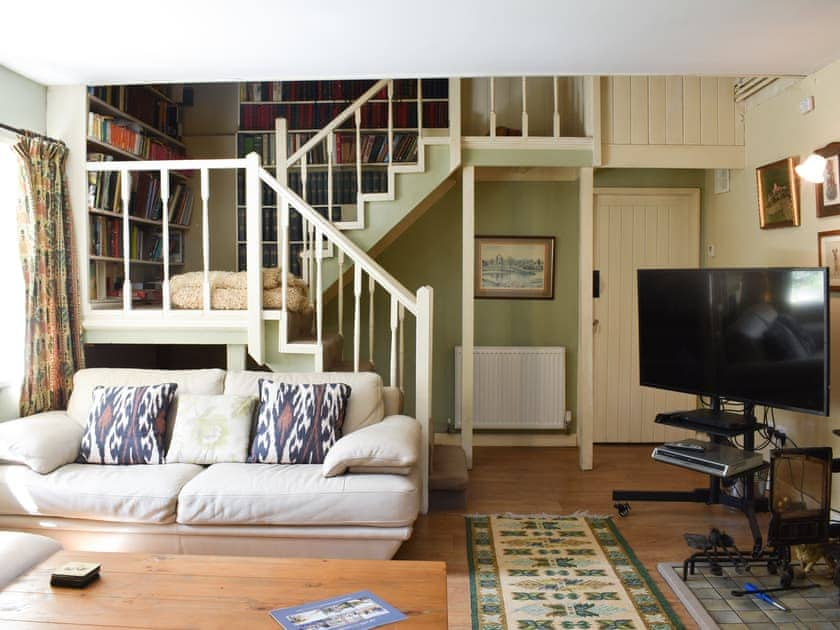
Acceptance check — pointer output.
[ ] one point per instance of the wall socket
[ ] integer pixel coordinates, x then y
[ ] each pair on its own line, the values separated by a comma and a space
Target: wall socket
710, 250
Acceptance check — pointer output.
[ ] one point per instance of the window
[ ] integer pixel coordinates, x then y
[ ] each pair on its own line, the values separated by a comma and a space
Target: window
12, 315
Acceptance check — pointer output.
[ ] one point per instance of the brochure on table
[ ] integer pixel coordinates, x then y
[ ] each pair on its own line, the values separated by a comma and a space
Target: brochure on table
355, 611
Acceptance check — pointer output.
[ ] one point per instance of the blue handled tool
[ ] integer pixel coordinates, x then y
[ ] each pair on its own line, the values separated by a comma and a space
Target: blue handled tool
757, 592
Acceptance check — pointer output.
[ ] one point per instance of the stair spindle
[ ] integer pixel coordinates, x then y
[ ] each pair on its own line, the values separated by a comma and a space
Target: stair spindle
359, 206
165, 218
371, 289
555, 86
419, 112
304, 268
330, 152
205, 238
401, 315
319, 304
390, 122
394, 320
357, 318
492, 107
524, 107
125, 193
307, 242
284, 276
341, 292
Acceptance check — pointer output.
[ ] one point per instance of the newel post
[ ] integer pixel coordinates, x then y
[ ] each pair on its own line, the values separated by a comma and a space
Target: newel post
423, 385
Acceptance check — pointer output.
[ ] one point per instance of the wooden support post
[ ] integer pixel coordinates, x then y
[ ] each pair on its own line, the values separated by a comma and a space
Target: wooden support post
467, 310
585, 396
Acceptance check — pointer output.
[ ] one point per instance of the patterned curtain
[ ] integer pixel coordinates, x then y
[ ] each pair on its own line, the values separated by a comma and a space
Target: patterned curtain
53, 350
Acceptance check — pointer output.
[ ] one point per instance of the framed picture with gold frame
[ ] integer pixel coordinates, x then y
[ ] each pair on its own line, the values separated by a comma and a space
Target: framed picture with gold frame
778, 194
514, 267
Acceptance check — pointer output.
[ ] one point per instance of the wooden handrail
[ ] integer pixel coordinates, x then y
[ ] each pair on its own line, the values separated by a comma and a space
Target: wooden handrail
336, 122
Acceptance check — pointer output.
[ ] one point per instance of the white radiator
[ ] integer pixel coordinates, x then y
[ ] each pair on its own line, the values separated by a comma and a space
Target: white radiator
516, 387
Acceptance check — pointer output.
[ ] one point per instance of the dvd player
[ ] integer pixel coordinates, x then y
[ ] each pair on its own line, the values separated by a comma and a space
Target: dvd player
719, 460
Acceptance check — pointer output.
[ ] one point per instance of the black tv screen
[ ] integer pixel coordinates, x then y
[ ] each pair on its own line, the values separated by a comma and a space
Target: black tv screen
754, 335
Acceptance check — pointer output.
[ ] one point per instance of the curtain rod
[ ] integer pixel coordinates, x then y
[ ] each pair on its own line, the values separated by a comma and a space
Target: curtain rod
23, 132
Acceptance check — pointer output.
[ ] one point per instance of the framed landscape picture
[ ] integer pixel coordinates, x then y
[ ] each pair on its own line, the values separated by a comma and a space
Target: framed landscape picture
828, 193
778, 194
829, 251
514, 267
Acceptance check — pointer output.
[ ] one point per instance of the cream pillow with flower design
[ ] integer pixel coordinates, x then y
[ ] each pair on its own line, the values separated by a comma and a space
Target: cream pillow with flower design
211, 429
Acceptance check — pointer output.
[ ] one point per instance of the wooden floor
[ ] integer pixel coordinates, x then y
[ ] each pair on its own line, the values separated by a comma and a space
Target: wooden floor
547, 480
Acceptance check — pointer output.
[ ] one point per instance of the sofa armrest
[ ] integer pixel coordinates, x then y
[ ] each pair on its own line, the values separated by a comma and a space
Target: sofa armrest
391, 446
43, 441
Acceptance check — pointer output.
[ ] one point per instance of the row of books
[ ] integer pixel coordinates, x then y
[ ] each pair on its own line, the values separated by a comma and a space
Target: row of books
153, 110
264, 144
269, 224
374, 148
275, 91
129, 137
104, 193
105, 237
269, 197
270, 258
318, 115
344, 185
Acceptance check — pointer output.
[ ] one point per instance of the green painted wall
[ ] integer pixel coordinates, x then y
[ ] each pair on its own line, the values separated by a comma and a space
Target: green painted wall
430, 253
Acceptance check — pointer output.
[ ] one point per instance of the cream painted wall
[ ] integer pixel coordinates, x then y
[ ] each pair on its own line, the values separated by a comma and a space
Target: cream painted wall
23, 103
775, 129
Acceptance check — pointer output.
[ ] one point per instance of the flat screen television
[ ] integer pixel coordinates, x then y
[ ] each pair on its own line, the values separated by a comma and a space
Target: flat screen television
759, 336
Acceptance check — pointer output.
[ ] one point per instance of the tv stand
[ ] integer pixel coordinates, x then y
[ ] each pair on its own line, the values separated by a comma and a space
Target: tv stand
719, 425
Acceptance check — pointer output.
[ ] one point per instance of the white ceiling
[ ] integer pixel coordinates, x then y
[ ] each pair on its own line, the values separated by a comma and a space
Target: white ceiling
105, 42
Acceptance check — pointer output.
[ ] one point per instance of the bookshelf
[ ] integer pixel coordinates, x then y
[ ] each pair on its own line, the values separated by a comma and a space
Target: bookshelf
308, 106
136, 122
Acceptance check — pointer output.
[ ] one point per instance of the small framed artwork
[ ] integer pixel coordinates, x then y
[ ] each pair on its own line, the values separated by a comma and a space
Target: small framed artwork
514, 267
828, 193
778, 194
829, 250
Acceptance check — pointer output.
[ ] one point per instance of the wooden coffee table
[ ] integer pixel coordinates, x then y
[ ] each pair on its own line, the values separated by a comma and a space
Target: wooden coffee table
139, 590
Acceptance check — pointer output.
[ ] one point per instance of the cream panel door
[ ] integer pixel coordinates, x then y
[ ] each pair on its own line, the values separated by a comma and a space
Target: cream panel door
633, 229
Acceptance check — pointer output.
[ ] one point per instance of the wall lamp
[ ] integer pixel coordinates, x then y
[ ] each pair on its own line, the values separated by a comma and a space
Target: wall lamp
812, 169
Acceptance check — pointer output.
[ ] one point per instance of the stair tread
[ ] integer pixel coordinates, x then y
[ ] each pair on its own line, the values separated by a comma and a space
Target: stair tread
449, 469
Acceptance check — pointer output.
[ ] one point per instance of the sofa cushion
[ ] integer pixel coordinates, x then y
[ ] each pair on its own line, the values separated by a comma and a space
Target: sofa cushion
135, 494
126, 425
211, 429
20, 552
296, 494
188, 382
364, 408
43, 441
298, 424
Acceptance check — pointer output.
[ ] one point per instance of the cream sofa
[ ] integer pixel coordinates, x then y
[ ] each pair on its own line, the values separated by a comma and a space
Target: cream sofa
362, 502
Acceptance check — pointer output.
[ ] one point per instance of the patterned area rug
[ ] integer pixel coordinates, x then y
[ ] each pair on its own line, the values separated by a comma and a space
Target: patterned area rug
563, 572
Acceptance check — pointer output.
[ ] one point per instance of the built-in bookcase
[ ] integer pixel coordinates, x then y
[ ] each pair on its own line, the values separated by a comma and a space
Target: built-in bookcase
308, 106
136, 122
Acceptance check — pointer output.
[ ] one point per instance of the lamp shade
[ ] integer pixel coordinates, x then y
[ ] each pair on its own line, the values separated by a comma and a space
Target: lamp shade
812, 169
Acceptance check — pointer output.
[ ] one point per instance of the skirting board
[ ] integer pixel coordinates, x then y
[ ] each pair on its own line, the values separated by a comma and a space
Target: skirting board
509, 439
